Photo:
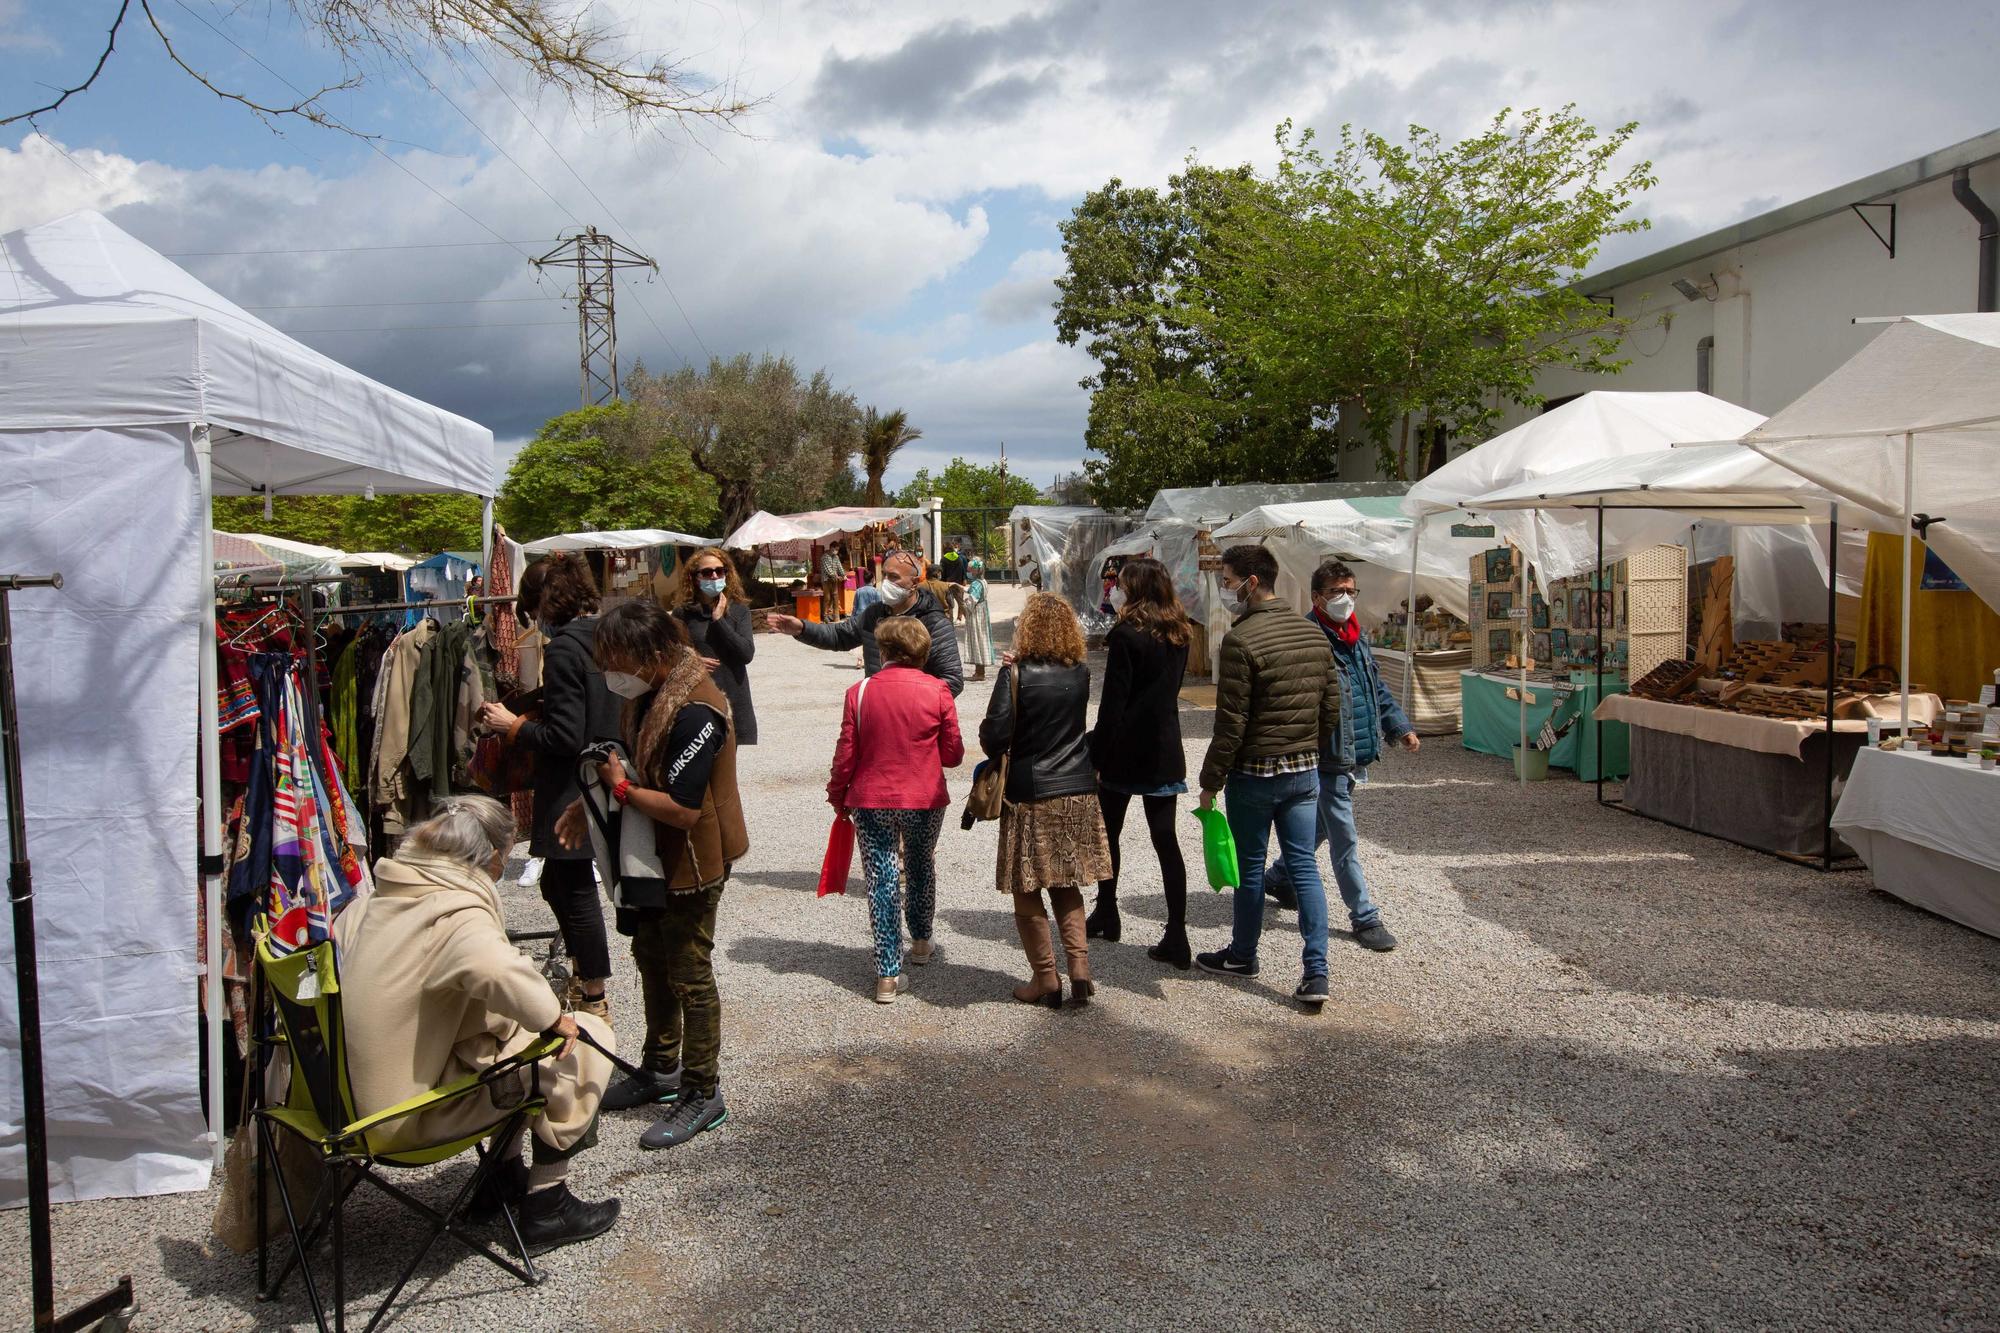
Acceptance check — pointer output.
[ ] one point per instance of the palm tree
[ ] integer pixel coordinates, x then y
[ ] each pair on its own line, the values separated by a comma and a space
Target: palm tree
882, 434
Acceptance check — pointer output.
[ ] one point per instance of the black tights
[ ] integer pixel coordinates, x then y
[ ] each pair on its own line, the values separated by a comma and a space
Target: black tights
570, 890
1160, 824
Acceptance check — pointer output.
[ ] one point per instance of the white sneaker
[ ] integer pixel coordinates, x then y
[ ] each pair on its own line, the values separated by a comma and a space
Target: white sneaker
531, 874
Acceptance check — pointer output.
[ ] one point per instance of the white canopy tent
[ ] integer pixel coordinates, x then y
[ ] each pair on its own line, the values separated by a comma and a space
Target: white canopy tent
1909, 429
130, 394
620, 539
1373, 531
1212, 506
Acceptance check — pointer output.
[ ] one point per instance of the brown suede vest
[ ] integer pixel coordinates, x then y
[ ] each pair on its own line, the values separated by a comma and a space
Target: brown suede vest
701, 856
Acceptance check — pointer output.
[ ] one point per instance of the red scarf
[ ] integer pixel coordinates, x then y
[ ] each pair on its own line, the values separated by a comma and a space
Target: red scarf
1348, 632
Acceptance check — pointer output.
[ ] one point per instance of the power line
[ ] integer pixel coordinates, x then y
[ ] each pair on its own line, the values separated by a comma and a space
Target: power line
349, 249
614, 219
370, 305
430, 328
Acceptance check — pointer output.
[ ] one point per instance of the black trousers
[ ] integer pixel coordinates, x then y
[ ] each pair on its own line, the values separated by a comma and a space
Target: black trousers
570, 890
1160, 824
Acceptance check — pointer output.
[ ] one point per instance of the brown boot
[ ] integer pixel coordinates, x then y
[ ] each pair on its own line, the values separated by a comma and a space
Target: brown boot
1045, 987
1068, 902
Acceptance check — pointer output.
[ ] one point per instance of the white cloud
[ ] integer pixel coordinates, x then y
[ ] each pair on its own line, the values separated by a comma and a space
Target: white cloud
1028, 290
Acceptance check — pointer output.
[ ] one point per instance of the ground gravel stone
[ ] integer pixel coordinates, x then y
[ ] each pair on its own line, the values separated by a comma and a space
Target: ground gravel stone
1618, 1076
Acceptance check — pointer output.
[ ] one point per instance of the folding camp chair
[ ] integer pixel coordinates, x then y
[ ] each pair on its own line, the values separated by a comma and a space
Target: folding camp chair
305, 990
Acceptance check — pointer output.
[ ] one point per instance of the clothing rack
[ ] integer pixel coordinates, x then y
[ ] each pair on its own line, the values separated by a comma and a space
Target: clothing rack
333, 612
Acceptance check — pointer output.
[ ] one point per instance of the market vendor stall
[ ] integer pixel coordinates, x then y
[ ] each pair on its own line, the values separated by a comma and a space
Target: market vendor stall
1433, 699
1492, 720
1925, 827
132, 394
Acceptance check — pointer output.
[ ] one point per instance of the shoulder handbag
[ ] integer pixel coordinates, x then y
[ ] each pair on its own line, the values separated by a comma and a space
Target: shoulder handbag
989, 779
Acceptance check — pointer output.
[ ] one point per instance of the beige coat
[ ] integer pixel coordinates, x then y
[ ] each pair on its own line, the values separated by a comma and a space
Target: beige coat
431, 991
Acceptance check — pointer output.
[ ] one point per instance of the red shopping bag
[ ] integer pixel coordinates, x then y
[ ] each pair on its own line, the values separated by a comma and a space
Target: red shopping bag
839, 856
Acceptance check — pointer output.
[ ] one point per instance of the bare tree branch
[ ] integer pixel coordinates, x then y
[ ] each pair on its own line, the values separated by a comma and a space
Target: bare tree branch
110, 44
305, 108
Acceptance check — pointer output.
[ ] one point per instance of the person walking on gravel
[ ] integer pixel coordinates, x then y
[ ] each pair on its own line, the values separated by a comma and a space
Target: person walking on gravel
902, 595
1051, 831
683, 779
1373, 719
1136, 744
1278, 701
898, 734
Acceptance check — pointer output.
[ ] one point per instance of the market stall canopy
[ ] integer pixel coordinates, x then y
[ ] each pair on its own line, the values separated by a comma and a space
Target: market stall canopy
618, 539
102, 332
842, 519
1923, 396
1212, 506
376, 560
1590, 427
1066, 544
764, 528
253, 553
1371, 530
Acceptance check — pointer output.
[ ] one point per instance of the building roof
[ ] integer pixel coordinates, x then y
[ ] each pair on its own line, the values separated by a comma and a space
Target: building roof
1930, 167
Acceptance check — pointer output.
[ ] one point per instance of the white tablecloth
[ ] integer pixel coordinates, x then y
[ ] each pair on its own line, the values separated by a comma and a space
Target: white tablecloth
1927, 828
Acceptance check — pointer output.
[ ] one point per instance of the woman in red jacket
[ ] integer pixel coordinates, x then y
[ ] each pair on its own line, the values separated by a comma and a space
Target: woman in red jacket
898, 734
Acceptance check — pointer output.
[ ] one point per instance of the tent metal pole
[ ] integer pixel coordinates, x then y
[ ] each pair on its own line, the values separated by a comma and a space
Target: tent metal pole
1410, 626
1597, 723
1832, 671
210, 863
1521, 651
1909, 549
486, 539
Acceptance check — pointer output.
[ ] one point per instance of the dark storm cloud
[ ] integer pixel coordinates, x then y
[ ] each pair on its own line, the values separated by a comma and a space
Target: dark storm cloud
942, 73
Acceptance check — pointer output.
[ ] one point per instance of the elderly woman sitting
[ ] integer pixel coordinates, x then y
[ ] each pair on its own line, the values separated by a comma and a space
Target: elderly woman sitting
433, 991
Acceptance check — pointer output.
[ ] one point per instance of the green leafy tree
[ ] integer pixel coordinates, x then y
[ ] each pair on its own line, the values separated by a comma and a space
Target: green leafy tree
768, 438
301, 518
1245, 327
612, 466
419, 524
844, 487
1069, 488
964, 485
883, 436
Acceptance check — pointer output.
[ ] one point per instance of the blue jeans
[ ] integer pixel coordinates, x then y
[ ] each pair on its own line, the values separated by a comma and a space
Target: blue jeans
1285, 803
1336, 830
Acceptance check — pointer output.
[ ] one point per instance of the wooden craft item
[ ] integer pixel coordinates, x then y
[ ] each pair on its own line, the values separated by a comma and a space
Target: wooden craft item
1717, 640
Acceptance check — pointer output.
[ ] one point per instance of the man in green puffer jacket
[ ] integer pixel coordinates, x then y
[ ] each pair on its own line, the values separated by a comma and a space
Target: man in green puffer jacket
1278, 701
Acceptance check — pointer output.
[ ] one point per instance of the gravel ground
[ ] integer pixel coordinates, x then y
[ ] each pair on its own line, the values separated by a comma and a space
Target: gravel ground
1618, 1076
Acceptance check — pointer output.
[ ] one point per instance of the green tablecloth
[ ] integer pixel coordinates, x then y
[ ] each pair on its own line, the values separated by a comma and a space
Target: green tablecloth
1492, 722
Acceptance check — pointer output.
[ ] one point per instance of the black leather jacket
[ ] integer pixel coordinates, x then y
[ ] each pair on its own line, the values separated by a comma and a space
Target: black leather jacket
1044, 734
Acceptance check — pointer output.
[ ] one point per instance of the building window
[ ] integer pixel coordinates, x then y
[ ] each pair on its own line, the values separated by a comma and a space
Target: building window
1704, 365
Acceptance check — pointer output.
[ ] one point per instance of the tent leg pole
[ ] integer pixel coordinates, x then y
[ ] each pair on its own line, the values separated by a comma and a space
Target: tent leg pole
486, 540
210, 860
1832, 672
1909, 546
1521, 649
1597, 723
1410, 626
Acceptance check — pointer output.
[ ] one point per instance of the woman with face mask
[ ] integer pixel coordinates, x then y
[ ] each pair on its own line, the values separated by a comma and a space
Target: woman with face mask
682, 778
708, 601
575, 711
902, 594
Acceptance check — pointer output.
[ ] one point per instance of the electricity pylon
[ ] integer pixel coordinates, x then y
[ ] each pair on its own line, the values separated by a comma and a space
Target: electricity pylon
597, 259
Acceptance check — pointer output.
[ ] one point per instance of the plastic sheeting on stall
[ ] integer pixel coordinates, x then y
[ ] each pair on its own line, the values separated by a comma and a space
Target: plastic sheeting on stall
1213, 506
1065, 545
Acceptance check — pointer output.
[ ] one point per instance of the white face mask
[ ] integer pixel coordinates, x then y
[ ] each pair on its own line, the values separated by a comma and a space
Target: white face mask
895, 594
626, 685
1117, 599
1340, 607
1241, 595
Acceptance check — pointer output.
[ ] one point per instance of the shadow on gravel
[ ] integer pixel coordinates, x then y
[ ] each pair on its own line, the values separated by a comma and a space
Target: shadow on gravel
1504, 1184
949, 982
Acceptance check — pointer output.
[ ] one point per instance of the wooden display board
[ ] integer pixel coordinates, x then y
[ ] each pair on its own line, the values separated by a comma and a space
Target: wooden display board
1638, 608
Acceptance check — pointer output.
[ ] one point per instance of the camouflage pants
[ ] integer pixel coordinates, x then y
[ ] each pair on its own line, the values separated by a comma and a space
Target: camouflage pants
673, 946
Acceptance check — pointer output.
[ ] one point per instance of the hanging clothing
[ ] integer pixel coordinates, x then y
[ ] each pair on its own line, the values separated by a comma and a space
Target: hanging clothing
978, 624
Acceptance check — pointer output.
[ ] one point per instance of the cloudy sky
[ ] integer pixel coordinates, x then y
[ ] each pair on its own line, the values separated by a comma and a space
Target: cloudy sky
890, 210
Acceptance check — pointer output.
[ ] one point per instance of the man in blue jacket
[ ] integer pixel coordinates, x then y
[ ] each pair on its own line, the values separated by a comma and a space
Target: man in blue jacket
1376, 720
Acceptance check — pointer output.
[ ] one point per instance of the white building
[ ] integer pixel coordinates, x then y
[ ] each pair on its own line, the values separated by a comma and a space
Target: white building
1760, 311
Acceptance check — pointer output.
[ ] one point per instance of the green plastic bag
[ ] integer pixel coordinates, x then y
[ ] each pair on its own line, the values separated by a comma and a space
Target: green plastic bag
1218, 850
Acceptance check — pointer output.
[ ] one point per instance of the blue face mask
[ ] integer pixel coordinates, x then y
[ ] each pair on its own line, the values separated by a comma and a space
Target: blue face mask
712, 587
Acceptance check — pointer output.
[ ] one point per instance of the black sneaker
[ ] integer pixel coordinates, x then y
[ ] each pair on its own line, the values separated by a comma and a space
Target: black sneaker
1226, 963
1311, 991
647, 1088
1376, 937
554, 1216
1280, 893
692, 1114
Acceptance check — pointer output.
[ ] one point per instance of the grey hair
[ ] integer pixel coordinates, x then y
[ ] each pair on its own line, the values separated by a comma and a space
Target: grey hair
469, 829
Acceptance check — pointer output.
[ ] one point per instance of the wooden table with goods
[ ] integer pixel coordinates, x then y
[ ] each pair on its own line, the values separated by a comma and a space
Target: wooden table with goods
1743, 756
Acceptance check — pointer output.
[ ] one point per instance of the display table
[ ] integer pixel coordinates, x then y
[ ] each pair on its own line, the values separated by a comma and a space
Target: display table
1925, 827
1745, 731
1492, 721
1434, 710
